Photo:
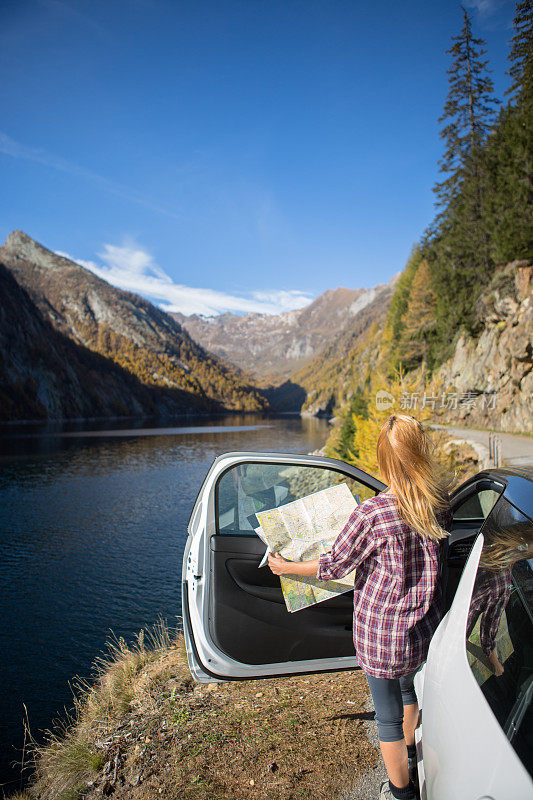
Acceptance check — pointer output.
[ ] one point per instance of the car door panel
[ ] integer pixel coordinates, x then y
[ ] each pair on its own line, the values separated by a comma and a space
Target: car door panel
249, 620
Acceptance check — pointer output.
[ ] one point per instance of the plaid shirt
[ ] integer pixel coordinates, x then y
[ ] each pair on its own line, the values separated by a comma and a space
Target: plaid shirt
491, 594
397, 595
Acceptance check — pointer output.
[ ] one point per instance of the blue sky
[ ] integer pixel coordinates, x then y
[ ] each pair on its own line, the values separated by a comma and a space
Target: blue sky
229, 155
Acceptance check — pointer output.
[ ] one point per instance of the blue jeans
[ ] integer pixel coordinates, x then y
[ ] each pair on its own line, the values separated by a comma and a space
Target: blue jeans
390, 695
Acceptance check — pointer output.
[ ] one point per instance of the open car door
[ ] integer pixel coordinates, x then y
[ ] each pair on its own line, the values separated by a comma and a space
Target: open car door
235, 619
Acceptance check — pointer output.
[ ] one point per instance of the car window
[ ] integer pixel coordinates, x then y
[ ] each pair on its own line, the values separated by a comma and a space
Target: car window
477, 505
247, 488
500, 625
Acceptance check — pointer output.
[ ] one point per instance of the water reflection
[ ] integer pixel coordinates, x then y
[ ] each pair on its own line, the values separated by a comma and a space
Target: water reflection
93, 525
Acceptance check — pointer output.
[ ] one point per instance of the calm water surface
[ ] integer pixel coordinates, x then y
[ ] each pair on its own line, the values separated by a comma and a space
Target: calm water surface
92, 529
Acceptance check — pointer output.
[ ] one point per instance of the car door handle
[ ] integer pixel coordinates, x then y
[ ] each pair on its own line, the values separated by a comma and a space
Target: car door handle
260, 590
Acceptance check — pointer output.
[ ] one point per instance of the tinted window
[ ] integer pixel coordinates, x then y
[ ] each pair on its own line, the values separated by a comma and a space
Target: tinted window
248, 488
477, 506
500, 625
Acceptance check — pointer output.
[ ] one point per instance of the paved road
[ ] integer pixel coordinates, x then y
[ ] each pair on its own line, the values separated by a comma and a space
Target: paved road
516, 450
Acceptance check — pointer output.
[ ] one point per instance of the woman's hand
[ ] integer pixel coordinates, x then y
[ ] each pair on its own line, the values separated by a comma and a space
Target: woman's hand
278, 564
496, 664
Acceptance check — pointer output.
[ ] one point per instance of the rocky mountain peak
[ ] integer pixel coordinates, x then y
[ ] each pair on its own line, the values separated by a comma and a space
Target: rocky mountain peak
22, 245
274, 346
122, 326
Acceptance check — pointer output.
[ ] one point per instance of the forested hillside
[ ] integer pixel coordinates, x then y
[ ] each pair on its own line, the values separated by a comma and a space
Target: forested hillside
46, 375
485, 201
456, 339
348, 361
124, 330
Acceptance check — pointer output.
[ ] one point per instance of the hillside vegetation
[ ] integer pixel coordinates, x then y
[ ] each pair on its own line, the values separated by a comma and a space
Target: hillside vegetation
453, 342
125, 330
45, 374
144, 730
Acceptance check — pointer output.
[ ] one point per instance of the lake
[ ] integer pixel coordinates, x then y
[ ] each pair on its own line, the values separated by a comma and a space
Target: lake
93, 522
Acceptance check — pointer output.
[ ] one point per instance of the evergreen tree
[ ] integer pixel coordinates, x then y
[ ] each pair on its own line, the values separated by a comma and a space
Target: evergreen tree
509, 153
458, 246
521, 55
468, 113
357, 408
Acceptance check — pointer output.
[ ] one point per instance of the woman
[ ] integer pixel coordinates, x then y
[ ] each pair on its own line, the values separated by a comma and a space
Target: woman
393, 541
505, 544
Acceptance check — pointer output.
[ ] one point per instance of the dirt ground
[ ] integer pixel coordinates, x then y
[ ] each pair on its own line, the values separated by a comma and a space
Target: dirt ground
148, 731
294, 738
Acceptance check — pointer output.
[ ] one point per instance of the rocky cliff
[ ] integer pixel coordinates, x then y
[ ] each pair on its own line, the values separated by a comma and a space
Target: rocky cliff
273, 347
125, 329
487, 382
494, 368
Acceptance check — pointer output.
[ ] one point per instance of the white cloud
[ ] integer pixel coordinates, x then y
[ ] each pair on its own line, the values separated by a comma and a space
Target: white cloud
485, 7
284, 300
130, 267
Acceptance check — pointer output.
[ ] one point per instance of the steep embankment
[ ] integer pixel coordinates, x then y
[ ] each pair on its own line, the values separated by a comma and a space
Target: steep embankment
488, 379
44, 374
145, 730
496, 365
125, 329
273, 347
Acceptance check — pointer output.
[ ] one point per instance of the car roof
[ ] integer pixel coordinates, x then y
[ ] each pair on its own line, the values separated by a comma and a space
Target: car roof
518, 485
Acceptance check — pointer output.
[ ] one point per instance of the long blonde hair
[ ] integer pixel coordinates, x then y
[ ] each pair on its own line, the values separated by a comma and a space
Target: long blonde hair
506, 544
406, 461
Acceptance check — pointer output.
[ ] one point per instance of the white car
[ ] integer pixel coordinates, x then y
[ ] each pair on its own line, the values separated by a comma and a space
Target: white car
475, 741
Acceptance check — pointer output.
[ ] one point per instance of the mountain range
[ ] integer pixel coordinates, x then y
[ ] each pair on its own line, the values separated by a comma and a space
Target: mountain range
156, 367
72, 345
272, 347
148, 361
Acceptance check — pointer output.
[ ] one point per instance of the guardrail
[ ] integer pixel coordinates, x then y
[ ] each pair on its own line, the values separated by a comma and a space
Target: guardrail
495, 449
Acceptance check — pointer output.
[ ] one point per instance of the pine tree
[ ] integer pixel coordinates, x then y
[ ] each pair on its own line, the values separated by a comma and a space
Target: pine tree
468, 113
357, 408
509, 152
521, 55
458, 246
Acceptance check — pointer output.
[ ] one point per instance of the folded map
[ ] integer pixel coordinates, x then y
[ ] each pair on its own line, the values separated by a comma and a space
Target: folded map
303, 530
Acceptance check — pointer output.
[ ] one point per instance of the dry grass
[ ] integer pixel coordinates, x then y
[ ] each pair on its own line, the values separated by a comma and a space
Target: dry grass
459, 460
145, 730
69, 757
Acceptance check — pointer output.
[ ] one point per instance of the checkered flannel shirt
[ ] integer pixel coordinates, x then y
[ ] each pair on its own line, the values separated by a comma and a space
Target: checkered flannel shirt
397, 594
491, 594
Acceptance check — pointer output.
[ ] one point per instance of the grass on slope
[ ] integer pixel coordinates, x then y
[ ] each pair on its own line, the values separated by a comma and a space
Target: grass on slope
146, 730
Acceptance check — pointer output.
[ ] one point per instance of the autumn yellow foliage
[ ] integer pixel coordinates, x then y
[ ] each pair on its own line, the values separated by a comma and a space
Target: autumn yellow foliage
399, 392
